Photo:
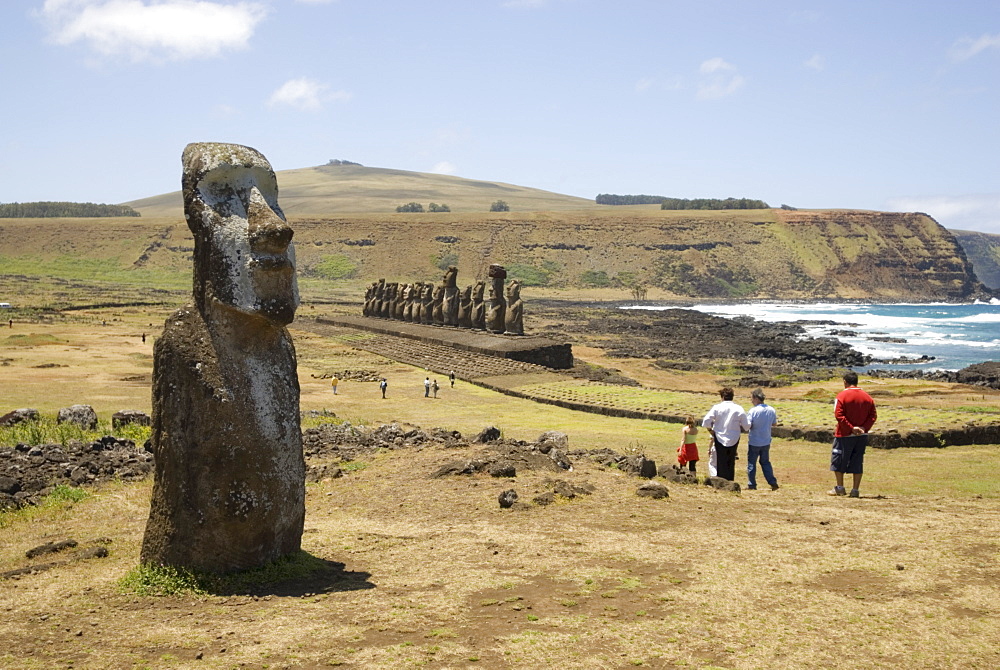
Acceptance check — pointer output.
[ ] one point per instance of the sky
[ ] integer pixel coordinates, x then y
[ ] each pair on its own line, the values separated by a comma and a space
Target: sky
872, 104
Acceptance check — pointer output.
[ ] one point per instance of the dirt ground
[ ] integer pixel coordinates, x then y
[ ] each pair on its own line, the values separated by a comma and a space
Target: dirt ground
425, 572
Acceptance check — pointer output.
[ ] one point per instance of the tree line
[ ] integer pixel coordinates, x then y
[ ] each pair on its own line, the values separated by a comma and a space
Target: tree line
681, 203
40, 210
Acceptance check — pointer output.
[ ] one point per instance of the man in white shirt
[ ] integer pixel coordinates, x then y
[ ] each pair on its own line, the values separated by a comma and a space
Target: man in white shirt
726, 421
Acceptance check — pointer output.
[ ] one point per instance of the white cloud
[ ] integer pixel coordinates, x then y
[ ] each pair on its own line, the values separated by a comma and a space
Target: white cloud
643, 84
315, 2
817, 63
305, 94
444, 167
153, 29
966, 47
719, 79
958, 212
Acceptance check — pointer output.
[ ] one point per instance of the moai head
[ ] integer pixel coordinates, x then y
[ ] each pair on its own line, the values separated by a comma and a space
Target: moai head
243, 256
477, 291
513, 290
467, 293
407, 291
450, 278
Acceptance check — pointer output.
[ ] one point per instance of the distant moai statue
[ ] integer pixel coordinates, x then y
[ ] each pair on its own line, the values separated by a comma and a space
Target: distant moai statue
437, 306
379, 298
415, 294
388, 300
229, 489
369, 292
406, 312
427, 304
515, 309
478, 316
497, 312
449, 306
465, 308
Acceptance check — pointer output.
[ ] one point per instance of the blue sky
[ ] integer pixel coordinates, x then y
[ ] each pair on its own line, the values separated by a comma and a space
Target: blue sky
846, 104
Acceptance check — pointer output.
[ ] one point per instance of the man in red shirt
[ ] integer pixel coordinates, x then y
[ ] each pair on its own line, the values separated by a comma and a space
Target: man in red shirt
855, 414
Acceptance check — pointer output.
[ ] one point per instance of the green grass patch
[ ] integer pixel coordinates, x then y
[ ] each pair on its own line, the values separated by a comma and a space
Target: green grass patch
165, 580
61, 497
31, 340
47, 431
336, 266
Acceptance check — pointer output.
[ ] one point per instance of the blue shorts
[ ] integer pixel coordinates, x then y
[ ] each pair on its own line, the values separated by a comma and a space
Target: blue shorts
849, 454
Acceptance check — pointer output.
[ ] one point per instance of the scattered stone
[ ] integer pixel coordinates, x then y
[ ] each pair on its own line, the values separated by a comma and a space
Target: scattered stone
502, 470
129, 416
92, 552
640, 466
677, 474
83, 416
721, 484
488, 434
18, 416
653, 490
508, 498
50, 548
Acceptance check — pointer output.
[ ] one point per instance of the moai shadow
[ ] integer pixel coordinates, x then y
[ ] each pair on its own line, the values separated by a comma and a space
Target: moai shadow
229, 489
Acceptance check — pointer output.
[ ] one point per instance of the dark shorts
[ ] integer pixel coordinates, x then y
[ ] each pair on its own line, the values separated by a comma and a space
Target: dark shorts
849, 454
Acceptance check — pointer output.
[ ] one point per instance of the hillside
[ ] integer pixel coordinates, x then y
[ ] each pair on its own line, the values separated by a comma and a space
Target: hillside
983, 250
335, 189
597, 253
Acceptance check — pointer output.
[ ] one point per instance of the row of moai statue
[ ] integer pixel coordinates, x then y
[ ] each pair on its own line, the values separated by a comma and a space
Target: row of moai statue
444, 304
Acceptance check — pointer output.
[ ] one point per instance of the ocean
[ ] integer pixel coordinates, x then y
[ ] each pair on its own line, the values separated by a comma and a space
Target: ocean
956, 335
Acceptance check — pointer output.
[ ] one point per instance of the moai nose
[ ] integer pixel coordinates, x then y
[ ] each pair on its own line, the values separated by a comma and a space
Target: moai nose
268, 232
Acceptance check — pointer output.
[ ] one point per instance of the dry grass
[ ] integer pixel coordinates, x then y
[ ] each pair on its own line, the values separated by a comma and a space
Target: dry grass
435, 574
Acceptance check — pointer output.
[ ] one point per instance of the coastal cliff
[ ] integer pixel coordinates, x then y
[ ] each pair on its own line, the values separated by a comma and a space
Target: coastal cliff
983, 251
721, 255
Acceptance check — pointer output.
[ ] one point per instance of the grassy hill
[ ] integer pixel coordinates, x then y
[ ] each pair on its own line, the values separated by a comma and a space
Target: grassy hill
335, 189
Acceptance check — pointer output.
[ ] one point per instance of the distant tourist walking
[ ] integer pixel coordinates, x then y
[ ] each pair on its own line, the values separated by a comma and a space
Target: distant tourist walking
333, 384
427, 387
434, 387
451, 378
725, 421
762, 417
687, 453
383, 385
855, 413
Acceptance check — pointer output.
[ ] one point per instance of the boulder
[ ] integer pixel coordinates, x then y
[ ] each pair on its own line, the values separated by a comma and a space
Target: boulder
488, 434
654, 490
83, 416
721, 484
127, 416
18, 416
507, 498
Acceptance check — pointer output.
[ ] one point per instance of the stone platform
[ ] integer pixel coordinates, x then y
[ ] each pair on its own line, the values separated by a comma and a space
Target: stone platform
525, 348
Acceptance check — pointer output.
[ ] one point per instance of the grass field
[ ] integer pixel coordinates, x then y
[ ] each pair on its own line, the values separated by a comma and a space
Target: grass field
422, 572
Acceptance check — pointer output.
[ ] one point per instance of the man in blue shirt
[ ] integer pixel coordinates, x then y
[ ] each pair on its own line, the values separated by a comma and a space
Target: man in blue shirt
762, 417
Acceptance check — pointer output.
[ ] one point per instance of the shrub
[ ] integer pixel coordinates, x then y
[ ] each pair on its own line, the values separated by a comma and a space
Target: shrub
595, 278
434, 207
410, 207
337, 266
499, 206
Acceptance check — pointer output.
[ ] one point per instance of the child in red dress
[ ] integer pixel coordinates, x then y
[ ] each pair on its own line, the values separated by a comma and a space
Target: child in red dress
687, 453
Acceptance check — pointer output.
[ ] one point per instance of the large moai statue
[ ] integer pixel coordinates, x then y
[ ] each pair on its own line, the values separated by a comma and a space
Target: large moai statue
229, 490
514, 319
478, 316
465, 308
449, 306
497, 312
